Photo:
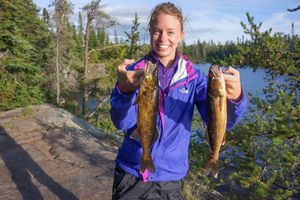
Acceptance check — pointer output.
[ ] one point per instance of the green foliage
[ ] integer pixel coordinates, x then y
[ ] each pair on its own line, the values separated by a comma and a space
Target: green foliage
23, 40
261, 159
133, 38
102, 120
268, 145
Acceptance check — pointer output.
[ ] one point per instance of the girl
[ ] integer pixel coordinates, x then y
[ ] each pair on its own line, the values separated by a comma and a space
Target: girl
181, 88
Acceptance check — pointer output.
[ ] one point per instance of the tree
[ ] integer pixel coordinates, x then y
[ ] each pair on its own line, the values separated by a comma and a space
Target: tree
80, 29
116, 40
133, 38
102, 20
46, 17
261, 159
24, 41
62, 12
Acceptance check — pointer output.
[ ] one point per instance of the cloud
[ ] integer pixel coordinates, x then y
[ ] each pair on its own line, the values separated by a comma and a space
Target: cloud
212, 25
281, 22
216, 20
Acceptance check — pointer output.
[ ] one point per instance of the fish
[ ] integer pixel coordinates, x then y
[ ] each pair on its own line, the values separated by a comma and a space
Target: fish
147, 100
217, 117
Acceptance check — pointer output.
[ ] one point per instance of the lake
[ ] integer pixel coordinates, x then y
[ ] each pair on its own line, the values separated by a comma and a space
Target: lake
251, 81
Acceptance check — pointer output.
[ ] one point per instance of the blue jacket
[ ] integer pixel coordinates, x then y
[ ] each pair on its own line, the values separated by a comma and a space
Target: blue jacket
170, 151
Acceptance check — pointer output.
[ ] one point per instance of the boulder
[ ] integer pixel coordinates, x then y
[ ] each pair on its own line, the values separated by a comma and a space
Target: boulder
48, 153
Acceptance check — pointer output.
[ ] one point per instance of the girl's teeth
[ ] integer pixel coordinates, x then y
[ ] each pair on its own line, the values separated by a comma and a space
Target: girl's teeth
163, 46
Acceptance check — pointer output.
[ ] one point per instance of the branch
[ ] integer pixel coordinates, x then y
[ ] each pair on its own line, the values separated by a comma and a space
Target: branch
100, 105
6, 52
294, 9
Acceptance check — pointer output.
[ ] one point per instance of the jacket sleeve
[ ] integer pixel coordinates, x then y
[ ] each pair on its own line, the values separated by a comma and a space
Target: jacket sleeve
235, 109
123, 113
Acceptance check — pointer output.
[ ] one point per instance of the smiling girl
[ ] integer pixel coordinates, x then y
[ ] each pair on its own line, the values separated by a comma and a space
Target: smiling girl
181, 87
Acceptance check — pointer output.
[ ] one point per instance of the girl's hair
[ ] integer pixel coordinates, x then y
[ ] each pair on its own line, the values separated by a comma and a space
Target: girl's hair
168, 9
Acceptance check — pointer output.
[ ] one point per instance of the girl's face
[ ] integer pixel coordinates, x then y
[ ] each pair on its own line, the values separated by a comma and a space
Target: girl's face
165, 34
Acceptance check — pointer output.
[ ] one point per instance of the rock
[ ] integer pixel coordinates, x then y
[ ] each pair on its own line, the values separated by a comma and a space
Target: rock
48, 153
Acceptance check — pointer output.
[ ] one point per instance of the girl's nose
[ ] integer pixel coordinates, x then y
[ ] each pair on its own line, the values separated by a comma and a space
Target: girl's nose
163, 36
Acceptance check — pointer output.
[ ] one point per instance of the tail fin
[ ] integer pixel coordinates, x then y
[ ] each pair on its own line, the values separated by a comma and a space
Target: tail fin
147, 164
212, 167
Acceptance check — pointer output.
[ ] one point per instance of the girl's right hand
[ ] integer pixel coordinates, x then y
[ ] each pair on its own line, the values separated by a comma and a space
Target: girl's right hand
129, 81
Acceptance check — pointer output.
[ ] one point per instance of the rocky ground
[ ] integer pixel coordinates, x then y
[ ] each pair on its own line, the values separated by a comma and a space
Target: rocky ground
48, 153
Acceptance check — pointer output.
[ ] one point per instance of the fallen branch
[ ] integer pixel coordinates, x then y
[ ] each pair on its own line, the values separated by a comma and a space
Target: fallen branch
100, 105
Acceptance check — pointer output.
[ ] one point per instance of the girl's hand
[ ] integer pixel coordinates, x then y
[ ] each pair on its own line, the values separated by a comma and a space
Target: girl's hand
233, 83
129, 81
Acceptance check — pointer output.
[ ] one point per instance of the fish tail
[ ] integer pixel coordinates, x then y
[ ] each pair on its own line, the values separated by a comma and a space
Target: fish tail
212, 167
147, 163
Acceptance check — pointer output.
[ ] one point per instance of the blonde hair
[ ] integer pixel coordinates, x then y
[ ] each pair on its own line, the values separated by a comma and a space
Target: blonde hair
168, 9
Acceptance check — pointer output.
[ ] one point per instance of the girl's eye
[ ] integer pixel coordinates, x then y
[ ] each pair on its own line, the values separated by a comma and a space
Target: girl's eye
155, 32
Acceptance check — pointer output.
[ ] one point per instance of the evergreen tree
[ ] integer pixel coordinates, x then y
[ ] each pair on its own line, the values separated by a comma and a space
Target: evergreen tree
62, 12
102, 20
93, 38
133, 38
80, 29
23, 42
46, 17
116, 40
262, 154
101, 38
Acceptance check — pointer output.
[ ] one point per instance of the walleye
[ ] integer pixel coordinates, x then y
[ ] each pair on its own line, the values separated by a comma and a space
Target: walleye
217, 116
147, 100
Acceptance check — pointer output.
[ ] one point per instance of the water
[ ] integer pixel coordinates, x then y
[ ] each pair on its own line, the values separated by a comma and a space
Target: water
251, 81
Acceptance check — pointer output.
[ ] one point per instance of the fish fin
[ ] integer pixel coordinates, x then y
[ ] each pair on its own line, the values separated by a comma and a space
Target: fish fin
147, 164
135, 135
224, 139
212, 168
154, 137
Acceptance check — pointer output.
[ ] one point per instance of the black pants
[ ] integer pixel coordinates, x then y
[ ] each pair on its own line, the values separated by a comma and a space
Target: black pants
127, 186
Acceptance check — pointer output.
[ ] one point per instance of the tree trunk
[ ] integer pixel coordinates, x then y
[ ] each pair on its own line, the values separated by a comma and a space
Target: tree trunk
57, 61
85, 93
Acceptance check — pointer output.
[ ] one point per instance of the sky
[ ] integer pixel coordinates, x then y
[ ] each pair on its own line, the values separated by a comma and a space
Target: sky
217, 20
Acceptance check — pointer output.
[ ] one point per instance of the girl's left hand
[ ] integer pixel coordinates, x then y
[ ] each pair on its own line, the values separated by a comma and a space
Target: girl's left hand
233, 83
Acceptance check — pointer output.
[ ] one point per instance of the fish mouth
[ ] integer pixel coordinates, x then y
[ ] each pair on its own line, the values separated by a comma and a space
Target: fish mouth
215, 71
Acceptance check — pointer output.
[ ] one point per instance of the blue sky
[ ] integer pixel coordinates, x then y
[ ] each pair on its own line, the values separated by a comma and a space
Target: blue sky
217, 20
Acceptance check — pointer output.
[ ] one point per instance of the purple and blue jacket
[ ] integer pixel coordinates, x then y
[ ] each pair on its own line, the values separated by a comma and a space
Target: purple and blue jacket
178, 95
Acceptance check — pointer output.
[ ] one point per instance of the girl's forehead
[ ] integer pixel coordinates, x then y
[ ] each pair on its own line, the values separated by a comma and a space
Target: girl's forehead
166, 19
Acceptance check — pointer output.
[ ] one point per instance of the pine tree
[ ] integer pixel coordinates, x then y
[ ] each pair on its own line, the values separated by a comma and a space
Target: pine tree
62, 12
133, 38
102, 20
23, 40
80, 29
116, 40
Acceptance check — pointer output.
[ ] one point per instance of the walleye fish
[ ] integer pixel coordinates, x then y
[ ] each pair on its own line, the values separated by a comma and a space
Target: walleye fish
147, 100
217, 116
